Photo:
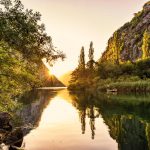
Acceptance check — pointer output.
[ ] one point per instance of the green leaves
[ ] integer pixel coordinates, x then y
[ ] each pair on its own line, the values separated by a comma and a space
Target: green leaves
23, 45
146, 44
22, 30
81, 65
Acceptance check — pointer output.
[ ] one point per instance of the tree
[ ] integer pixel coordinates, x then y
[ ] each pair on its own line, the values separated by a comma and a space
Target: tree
91, 64
117, 46
81, 65
109, 70
91, 57
79, 72
22, 31
146, 45
23, 45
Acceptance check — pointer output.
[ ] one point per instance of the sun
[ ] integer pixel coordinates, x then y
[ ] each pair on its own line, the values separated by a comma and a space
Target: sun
55, 71
58, 70
50, 72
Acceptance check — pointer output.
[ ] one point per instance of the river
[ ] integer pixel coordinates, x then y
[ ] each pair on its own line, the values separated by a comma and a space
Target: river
85, 121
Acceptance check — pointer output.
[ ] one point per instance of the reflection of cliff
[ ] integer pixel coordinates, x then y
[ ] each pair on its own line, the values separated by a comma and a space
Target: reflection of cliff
129, 126
33, 104
129, 132
31, 112
128, 121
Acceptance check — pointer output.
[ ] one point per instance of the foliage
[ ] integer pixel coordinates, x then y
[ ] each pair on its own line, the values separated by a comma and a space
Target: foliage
21, 30
127, 77
90, 63
143, 68
136, 18
127, 68
83, 74
108, 70
114, 48
146, 45
137, 86
82, 60
23, 45
140, 68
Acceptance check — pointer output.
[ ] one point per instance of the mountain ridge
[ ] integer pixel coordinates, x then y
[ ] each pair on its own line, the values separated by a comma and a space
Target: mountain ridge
131, 42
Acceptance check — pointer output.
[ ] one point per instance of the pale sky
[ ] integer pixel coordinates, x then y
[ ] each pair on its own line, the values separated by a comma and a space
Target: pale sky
74, 23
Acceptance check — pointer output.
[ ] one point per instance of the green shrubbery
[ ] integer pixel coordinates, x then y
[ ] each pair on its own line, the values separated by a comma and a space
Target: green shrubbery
140, 68
128, 77
23, 45
134, 86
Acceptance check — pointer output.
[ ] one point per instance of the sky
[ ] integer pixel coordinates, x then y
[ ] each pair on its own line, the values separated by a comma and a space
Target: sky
74, 23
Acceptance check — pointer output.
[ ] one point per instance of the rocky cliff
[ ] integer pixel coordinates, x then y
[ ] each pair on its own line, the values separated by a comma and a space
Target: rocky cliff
132, 41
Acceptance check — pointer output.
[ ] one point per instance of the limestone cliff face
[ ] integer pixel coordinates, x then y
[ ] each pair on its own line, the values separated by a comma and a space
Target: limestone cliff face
132, 41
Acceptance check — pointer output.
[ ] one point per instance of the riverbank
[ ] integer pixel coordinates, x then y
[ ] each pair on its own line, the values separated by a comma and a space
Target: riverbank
130, 85
126, 86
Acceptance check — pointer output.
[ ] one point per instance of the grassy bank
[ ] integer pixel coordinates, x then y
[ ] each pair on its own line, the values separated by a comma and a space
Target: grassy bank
136, 86
121, 85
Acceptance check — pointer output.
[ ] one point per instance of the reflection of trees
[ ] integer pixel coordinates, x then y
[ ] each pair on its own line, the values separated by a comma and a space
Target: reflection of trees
128, 120
82, 116
29, 115
128, 131
92, 114
84, 103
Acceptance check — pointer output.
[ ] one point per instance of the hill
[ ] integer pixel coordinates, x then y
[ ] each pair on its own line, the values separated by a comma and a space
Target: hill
66, 78
50, 80
132, 41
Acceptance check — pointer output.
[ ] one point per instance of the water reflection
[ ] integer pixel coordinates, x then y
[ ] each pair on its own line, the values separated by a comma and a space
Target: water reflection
81, 120
127, 117
59, 127
85, 104
34, 104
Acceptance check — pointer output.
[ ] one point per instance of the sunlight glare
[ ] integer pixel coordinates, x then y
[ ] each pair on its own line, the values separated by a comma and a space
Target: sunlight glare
60, 107
55, 71
50, 72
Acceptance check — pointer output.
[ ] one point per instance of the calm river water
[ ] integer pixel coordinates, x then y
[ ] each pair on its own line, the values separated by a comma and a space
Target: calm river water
85, 121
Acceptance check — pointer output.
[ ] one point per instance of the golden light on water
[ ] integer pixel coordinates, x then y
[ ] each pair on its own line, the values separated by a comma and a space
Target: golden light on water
60, 128
60, 114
